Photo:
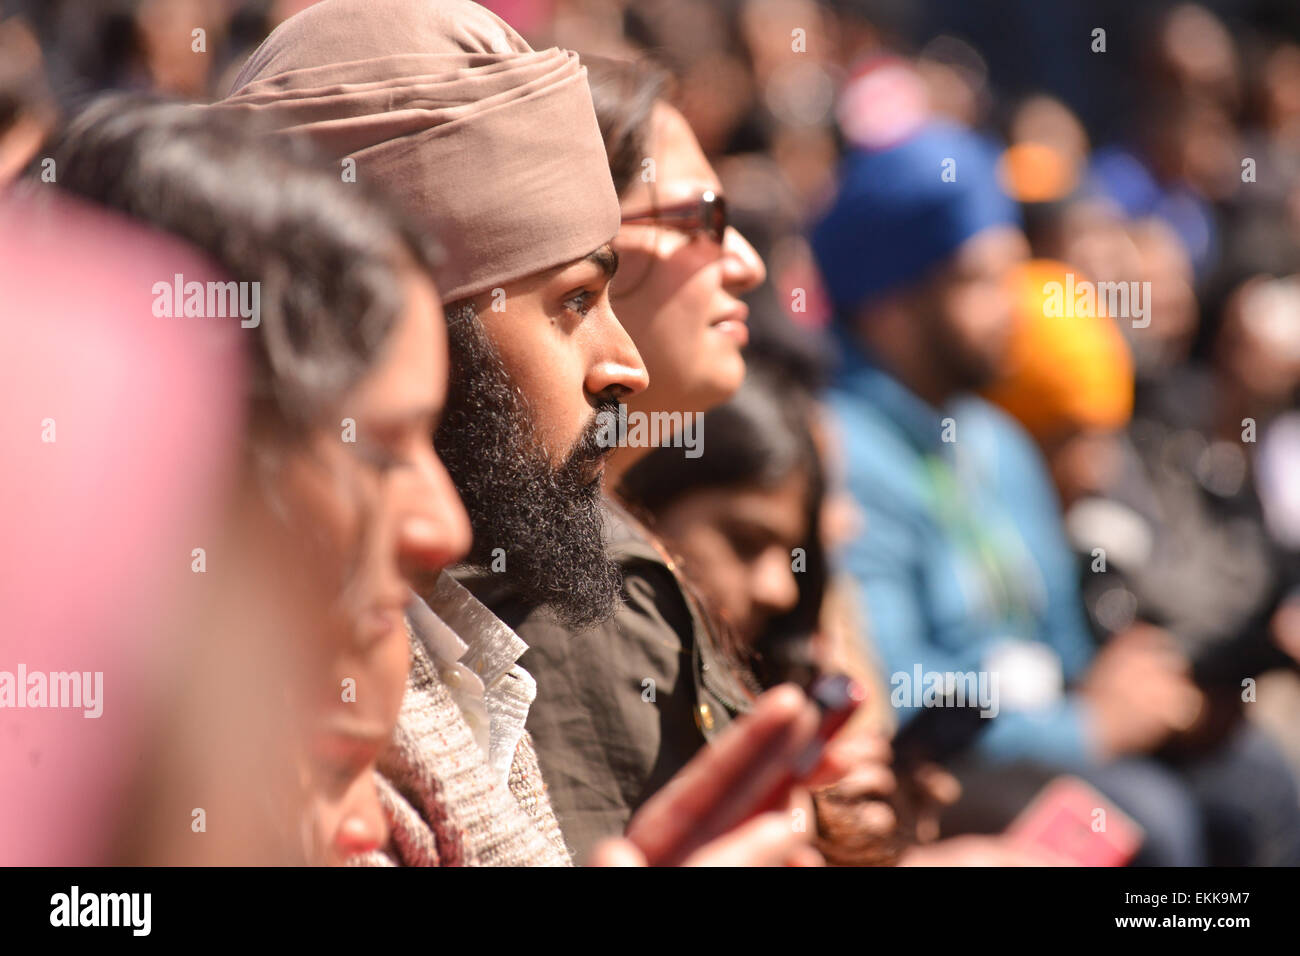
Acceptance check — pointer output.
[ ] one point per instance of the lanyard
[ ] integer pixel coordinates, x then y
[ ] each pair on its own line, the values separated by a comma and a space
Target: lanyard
991, 549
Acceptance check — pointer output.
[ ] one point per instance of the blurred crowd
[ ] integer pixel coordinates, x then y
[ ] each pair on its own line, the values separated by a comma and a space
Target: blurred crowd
990, 316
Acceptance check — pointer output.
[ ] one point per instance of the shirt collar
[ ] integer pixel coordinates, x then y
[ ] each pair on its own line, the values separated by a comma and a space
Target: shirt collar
459, 643
490, 647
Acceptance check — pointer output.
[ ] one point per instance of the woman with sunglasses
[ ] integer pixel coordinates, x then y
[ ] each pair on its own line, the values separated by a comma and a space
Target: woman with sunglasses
682, 269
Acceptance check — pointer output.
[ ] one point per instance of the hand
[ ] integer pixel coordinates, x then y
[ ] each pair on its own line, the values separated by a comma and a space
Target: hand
933, 789
768, 839
856, 822
1285, 628
1139, 692
698, 818
975, 850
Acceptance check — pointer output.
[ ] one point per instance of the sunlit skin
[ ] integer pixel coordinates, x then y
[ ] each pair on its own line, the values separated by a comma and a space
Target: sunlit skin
677, 295
737, 544
382, 509
563, 346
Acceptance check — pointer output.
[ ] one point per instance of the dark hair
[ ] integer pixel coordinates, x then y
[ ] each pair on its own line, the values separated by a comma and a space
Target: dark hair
324, 252
624, 93
756, 440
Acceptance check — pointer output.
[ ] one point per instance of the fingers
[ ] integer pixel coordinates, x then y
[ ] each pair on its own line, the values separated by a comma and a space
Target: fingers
616, 852
1154, 647
724, 782
937, 784
866, 780
846, 752
769, 839
805, 856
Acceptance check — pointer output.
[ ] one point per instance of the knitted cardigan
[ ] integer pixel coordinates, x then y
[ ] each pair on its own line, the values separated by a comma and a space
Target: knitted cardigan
444, 803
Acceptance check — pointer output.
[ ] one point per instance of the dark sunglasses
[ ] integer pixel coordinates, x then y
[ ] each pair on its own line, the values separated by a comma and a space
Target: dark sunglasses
706, 216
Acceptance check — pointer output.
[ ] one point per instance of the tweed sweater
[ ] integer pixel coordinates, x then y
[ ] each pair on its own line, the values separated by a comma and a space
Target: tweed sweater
446, 803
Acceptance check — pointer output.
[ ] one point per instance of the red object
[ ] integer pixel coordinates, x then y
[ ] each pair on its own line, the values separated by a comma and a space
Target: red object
1072, 820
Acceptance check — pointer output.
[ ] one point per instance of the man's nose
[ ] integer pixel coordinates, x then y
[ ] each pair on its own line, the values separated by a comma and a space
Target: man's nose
615, 365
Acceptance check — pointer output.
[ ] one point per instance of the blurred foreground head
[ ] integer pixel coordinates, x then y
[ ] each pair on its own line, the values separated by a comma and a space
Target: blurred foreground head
291, 685
122, 434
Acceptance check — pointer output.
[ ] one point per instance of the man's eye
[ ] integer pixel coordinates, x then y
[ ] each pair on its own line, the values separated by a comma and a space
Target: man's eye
580, 303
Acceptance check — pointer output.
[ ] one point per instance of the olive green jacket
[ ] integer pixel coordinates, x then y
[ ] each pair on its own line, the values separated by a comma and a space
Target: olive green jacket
623, 706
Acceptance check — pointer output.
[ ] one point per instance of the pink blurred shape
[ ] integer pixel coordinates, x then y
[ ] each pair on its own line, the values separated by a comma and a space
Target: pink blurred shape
97, 524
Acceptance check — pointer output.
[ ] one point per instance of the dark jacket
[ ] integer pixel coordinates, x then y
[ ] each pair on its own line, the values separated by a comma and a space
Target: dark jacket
623, 706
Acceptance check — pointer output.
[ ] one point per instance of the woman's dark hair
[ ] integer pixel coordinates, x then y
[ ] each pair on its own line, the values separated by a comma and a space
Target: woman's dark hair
756, 440
624, 93
325, 253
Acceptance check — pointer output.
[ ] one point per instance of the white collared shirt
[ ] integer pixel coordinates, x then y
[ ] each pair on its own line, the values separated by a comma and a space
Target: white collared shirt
477, 657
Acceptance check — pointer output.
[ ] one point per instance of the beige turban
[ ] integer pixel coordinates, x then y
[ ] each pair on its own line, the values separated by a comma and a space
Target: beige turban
493, 145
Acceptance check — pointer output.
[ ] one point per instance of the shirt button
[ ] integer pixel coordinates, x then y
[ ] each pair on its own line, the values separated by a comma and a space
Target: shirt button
451, 677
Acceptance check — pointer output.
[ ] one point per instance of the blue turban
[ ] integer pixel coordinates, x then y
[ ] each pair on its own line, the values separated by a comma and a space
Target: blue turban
895, 217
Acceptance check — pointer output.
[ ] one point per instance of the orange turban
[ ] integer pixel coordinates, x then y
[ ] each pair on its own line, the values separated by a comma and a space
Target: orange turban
1064, 372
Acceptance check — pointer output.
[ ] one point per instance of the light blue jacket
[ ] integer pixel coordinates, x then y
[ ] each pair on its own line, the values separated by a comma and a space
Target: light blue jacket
962, 548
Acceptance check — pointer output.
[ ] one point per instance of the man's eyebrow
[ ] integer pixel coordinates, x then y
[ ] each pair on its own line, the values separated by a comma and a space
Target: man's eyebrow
606, 258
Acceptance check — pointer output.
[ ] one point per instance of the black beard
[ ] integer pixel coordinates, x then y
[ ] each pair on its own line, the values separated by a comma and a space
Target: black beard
963, 369
547, 520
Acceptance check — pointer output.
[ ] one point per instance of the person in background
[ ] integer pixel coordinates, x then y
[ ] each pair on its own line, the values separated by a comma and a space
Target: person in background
744, 522
1144, 526
963, 564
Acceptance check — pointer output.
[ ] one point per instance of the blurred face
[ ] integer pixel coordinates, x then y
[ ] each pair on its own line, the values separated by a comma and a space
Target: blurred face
563, 347
1259, 344
966, 312
678, 291
372, 513
1084, 462
1166, 265
737, 546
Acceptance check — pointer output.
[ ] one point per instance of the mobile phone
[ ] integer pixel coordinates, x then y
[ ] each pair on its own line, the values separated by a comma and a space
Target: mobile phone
937, 734
837, 696
1072, 821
